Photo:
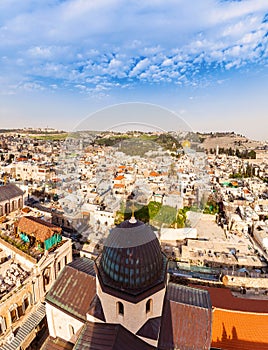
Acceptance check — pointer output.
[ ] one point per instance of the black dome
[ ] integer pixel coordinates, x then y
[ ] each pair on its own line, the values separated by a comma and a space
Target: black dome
132, 257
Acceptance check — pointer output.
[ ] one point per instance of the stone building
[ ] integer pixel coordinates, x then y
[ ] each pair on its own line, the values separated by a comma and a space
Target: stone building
124, 299
25, 278
11, 199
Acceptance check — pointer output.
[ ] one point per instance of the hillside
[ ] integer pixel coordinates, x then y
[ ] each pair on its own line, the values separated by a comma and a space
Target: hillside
226, 141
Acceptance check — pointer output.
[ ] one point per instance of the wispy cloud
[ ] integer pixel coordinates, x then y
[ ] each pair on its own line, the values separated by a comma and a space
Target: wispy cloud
99, 45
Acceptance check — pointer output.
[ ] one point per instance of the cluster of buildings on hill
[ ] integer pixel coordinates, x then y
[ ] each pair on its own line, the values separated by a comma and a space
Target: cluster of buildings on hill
126, 290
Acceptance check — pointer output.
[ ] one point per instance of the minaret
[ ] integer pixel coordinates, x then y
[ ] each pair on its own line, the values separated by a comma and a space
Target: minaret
133, 220
217, 150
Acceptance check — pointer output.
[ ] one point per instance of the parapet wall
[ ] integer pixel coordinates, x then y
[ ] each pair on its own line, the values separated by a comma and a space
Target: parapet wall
23, 258
247, 282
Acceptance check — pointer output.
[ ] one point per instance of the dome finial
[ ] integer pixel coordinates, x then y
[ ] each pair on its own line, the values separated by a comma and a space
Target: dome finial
133, 219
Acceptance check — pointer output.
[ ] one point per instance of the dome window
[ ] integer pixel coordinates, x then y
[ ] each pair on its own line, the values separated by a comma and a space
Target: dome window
149, 305
120, 308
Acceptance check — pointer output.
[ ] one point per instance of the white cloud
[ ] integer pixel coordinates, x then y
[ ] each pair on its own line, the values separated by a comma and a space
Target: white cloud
90, 43
42, 52
31, 86
139, 67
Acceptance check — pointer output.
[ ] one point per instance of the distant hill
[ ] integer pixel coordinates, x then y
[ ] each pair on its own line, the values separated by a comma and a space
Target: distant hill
32, 131
210, 141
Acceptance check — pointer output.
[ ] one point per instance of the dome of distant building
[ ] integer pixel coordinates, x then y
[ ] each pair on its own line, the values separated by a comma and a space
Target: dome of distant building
132, 259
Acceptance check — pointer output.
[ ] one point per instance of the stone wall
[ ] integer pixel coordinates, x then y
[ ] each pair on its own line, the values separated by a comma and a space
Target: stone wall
23, 258
14, 300
61, 324
235, 281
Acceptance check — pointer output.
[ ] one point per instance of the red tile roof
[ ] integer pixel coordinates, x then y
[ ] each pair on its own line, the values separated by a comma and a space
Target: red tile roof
38, 228
223, 298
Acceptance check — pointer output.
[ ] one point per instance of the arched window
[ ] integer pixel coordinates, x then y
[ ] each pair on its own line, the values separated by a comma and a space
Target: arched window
2, 325
71, 330
20, 203
46, 278
149, 305
120, 308
13, 311
13, 205
7, 210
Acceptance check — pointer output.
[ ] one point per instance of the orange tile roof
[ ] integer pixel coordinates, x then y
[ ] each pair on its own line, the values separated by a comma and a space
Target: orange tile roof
238, 323
239, 330
119, 186
120, 177
154, 173
38, 228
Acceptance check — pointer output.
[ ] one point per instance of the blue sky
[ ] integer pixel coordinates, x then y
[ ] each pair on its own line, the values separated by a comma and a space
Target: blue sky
205, 60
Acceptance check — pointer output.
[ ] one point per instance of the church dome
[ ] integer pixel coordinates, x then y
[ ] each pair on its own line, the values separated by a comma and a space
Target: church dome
132, 259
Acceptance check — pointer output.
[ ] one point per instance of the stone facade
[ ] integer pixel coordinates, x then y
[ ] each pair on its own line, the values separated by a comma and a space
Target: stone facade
21, 299
60, 324
14, 305
131, 315
8, 206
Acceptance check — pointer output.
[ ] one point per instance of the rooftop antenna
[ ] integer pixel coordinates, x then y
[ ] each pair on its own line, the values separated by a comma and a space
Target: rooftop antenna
133, 219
